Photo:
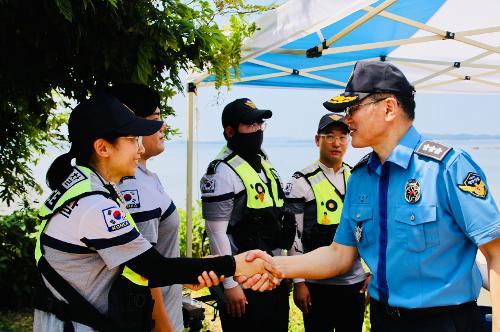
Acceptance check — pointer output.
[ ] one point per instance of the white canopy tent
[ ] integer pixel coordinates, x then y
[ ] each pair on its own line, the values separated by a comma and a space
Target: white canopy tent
442, 46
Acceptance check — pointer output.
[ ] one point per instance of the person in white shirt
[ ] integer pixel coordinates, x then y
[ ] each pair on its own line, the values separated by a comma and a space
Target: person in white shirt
315, 195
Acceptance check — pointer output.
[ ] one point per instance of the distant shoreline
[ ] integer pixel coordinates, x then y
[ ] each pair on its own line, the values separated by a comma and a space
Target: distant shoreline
439, 137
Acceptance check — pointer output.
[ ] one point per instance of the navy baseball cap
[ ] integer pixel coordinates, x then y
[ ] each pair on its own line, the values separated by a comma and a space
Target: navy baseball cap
243, 110
329, 119
370, 77
105, 116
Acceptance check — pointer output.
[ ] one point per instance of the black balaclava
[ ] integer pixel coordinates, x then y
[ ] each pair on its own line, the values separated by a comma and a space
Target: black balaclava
247, 146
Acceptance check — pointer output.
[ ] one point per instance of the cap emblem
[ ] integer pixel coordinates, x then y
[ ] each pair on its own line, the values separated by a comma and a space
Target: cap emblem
335, 117
250, 103
342, 99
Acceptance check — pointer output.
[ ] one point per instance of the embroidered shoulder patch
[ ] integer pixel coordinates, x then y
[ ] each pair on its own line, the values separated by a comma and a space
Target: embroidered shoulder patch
207, 186
288, 189
131, 198
433, 150
114, 218
75, 177
362, 162
474, 185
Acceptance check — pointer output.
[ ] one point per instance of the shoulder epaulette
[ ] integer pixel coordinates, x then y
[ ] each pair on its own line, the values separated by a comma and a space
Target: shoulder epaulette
297, 175
362, 162
212, 167
433, 150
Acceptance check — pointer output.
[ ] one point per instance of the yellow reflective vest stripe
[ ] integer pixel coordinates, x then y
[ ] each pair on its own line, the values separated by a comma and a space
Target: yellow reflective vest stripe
329, 202
258, 195
79, 184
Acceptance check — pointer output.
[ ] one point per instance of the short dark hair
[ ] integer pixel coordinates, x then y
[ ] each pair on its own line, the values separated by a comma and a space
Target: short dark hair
407, 103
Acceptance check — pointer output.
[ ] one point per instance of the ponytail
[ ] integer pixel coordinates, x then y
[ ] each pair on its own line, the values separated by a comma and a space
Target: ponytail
59, 170
62, 166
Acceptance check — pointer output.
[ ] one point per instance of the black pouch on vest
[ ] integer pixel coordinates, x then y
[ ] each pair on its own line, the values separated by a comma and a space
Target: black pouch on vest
258, 229
318, 236
130, 306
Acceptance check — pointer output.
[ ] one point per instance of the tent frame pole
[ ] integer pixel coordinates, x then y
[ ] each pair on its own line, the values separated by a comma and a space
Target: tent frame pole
191, 107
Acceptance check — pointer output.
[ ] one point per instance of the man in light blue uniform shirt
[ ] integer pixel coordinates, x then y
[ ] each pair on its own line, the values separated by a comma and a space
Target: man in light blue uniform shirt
415, 210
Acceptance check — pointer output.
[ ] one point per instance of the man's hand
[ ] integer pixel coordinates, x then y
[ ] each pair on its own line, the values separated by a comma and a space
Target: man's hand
266, 279
235, 301
205, 280
301, 296
254, 262
365, 287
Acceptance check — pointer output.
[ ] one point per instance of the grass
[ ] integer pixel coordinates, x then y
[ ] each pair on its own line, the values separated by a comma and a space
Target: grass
295, 321
16, 321
22, 321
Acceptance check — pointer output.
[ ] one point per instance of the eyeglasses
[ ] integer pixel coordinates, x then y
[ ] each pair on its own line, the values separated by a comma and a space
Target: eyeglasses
257, 126
330, 139
349, 110
138, 140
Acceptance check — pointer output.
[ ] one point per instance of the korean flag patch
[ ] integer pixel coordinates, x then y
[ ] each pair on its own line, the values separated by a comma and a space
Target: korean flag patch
131, 198
208, 186
114, 218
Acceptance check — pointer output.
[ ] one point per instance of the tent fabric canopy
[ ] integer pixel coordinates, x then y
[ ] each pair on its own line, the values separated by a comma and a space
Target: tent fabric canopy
444, 46
441, 46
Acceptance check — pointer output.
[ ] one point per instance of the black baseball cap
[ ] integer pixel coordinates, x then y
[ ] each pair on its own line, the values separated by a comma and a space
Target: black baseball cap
329, 119
243, 110
370, 77
140, 98
105, 116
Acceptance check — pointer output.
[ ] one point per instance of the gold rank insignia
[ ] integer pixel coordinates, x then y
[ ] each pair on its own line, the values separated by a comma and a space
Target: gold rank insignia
474, 185
342, 99
335, 117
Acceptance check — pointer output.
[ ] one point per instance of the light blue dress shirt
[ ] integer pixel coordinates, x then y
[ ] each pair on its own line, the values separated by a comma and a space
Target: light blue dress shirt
421, 249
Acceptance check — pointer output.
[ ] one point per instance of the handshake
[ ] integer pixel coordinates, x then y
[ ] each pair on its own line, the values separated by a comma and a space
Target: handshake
257, 270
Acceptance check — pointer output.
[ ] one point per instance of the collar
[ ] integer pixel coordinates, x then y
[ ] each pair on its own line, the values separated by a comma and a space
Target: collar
401, 154
142, 168
327, 169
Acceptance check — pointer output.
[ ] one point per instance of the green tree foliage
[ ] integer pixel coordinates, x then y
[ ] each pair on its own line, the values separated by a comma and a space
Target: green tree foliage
17, 265
60, 50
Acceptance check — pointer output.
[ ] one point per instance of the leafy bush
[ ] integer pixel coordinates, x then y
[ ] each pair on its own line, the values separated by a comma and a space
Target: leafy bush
200, 245
17, 264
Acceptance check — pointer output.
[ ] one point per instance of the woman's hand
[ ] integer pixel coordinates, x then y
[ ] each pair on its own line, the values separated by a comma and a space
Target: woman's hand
205, 280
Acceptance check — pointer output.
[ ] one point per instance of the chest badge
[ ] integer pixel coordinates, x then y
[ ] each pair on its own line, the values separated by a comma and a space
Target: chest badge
358, 231
261, 192
412, 191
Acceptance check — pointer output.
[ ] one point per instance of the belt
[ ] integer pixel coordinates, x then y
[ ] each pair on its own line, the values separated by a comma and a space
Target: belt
397, 312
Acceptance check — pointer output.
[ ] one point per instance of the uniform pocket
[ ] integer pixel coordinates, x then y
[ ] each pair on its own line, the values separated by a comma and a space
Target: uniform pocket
418, 226
362, 218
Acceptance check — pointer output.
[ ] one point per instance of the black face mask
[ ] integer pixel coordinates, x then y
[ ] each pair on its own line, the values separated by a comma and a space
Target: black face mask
248, 146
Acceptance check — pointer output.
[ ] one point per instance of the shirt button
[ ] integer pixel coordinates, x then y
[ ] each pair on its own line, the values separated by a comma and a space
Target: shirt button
358, 215
412, 217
